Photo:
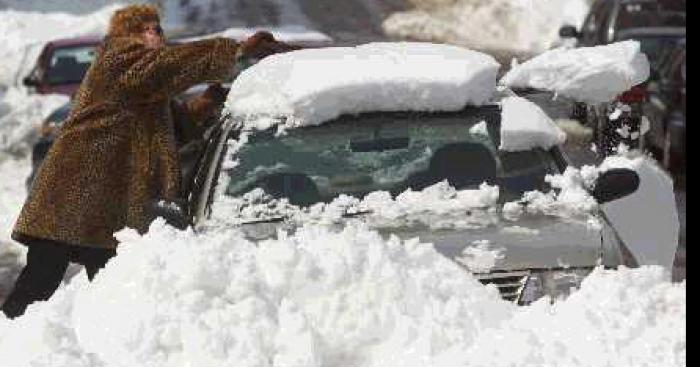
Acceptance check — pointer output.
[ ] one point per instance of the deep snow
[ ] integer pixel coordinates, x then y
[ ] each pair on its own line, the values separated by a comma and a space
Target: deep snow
332, 298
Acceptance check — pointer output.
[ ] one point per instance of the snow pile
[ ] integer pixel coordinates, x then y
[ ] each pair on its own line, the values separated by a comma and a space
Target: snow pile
12, 255
311, 86
587, 74
519, 26
22, 37
652, 235
525, 126
331, 298
21, 114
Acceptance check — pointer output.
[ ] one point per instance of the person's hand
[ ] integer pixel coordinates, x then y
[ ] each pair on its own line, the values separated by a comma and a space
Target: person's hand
216, 92
263, 44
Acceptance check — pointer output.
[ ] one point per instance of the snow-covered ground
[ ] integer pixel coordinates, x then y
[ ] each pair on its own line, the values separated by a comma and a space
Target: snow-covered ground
324, 297
518, 27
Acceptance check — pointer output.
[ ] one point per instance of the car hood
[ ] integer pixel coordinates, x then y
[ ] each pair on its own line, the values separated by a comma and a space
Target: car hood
537, 242
533, 243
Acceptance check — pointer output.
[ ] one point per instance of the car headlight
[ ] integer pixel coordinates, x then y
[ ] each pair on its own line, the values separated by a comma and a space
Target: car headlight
554, 283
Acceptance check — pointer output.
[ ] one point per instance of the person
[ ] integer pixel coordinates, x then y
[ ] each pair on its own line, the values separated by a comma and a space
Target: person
116, 152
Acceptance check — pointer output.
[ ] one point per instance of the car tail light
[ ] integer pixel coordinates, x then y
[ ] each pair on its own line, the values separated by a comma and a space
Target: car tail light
637, 94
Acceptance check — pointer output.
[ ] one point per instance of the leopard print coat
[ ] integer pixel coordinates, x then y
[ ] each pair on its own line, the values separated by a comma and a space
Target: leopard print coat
116, 151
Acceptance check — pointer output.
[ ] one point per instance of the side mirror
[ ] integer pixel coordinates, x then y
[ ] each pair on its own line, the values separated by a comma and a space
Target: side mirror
28, 81
615, 184
569, 31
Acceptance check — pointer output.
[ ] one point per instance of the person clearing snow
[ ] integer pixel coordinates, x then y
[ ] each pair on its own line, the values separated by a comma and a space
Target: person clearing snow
116, 152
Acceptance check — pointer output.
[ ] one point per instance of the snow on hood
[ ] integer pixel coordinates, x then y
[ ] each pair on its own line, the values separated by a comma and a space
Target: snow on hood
332, 298
525, 126
312, 86
587, 74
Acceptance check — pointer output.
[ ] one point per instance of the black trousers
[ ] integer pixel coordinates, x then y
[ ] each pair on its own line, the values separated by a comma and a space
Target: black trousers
47, 262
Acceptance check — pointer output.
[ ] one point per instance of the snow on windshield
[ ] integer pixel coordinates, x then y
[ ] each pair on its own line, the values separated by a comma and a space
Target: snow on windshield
329, 298
587, 74
311, 86
525, 126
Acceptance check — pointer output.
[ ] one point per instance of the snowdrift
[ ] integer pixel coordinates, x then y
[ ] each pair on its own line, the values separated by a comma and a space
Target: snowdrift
331, 298
520, 27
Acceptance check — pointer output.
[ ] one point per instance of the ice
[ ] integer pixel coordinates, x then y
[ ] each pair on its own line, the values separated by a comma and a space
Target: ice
587, 74
311, 86
525, 126
518, 26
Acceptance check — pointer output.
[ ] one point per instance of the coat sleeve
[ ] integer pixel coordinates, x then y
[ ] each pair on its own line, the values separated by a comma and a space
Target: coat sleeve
172, 69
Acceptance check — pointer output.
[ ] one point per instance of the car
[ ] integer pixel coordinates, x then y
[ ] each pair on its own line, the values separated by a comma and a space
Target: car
657, 25
666, 109
62, 64
607, 18
404, 150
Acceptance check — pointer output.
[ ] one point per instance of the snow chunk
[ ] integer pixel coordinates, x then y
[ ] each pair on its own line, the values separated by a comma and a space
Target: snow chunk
587, 74
525, 126
480, 258
311, 86
647, 220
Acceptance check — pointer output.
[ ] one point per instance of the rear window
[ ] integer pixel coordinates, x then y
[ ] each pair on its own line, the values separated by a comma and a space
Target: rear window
316, 164
68, 65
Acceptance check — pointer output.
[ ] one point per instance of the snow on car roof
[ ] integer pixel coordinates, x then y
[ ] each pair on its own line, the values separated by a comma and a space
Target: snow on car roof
524, 126
309, 87
587, 74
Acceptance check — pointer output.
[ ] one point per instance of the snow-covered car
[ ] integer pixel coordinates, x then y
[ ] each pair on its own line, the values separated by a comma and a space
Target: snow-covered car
475, 179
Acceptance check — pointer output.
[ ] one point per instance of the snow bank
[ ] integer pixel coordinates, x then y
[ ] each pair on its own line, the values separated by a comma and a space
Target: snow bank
331, 298
525, 126
587, 74
24, 33
520, 26
20, 116
12, 193
311, 86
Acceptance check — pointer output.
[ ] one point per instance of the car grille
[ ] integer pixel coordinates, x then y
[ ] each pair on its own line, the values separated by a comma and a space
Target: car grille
509, 283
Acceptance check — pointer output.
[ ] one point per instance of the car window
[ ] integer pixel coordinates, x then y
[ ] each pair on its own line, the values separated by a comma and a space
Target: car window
310, 165
638, 14
69, 64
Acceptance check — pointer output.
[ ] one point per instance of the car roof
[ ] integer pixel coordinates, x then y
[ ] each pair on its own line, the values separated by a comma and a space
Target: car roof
86, 40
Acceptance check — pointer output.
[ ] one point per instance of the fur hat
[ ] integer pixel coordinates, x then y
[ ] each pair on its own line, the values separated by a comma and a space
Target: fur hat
130, 20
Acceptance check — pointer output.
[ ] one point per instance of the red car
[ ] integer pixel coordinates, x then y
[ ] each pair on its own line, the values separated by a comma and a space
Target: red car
62, 64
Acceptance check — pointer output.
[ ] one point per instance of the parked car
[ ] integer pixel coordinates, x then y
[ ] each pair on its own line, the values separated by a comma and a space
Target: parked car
666, 109
62, 64
657, 25
356, 154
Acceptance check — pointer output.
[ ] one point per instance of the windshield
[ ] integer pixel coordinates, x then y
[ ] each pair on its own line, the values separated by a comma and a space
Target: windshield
68, 65
387, 152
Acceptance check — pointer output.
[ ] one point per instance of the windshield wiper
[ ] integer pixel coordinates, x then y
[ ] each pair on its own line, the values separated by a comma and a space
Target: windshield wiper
283, 218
